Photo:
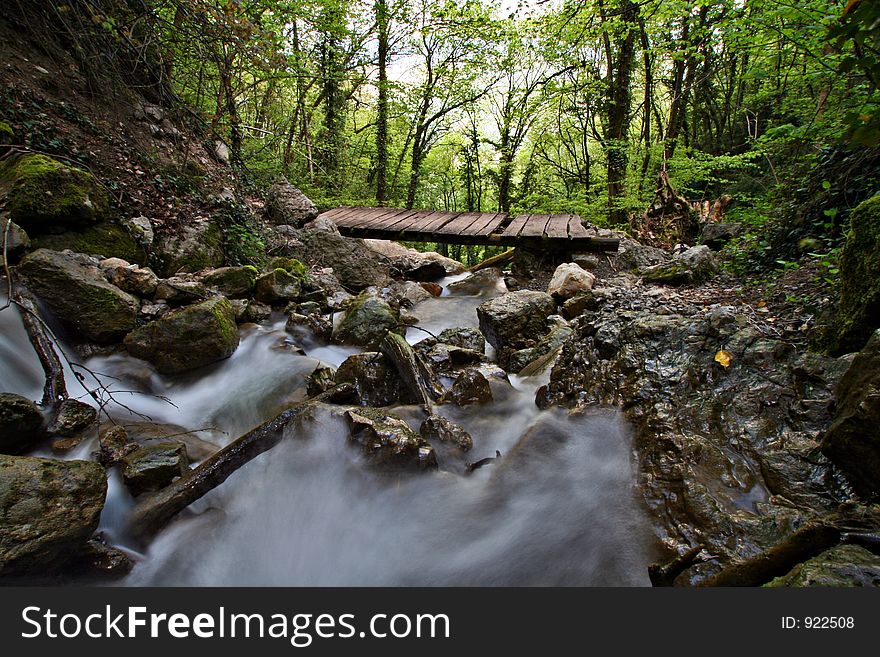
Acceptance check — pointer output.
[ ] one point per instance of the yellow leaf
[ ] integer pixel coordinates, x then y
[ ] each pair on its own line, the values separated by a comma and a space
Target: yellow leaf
723, 358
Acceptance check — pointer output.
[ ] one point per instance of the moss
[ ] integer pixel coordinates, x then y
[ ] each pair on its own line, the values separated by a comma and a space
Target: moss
226, 327
290, 265
233, 282
106, 239
42, 192
7, 134
858, 313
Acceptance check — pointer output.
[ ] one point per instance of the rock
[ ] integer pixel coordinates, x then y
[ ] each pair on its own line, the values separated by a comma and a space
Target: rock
48, 509
841, 566
550, 343
152, 468
858, 312
323, 223
17, 241
356, 267
568, 280
257, 312
187, 338
387, 441
197, 245
278, 285
285, 204
415, 265
44, 195
433, 289
447, 359
79, 294
512, 319
21, 424
375, 380
853, 441
320, 326
693, 266
715, 236
466, 338
150, 434
409, 293
366, 321
151, 311
180, 289
437, 427
321, 380
239, 308
633, 256
141, 230
114, 444
586, 261
485, 282
471, 387
232, 282
591, 300
512, 283
103, 240
96, 559
140, 281
72, 417
220, 151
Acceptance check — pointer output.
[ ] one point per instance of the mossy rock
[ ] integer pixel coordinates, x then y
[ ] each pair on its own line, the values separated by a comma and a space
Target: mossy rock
278, 285
43, 194
290, 265
7, 134
107, 240
841, 566
21, 424
187, 338
233, 282
154, 466
196, 246
366, 322
859, 309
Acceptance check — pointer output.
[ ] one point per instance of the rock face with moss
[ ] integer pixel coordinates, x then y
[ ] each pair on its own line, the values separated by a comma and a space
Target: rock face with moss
106, 240
45, 195
693, 266
859, 310
187, 338
153, 467
853, 441
278, 285
48, 509
285, 204
233, 282
842, 566
77, 291
197, 245
366, 321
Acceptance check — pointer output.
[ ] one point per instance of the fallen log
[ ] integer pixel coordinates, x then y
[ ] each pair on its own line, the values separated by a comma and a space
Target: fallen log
665, 574
416, 376
810, 540
54, 389
154, 512
499, 259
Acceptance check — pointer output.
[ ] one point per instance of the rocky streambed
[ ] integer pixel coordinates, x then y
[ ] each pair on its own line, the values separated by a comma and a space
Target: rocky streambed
419, 425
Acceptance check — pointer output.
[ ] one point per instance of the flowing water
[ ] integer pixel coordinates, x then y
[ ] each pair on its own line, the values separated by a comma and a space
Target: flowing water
558, 508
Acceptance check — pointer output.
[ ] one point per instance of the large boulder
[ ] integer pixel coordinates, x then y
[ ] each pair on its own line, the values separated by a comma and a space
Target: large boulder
105, 240
21, 424
415, 265
196, 245
859, 309
76, 290
715, 235
367, 319
513, 319
356, 267
488, 281
187, 338
853, 441
140, 281
44, 195
48, 509
568, 280
285, 204
387, 441
278, 285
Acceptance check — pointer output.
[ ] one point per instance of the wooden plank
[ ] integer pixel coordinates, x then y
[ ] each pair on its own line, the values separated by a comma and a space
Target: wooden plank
557, 227
437, 220
535, 226
576, 228
512, 231
359, 216
331, 214
393, 221
485, 225
350, 212
379, 219
460, 223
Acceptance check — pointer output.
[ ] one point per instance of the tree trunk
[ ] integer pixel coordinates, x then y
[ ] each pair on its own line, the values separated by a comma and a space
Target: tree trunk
382, 105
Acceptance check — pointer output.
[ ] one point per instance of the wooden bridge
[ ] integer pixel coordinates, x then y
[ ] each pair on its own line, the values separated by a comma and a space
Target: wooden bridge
563, 232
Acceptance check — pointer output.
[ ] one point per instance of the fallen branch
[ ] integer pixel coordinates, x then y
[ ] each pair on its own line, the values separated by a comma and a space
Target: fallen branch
153, 513
811, 539
499, 259
54, 389
421, 382
665, 574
